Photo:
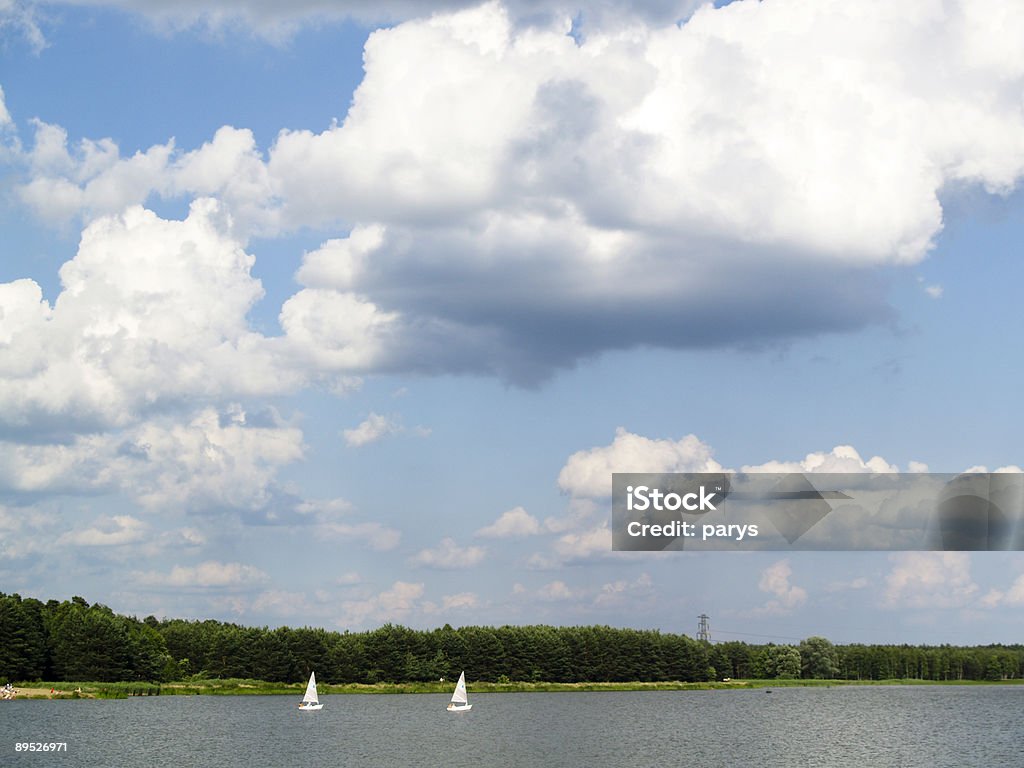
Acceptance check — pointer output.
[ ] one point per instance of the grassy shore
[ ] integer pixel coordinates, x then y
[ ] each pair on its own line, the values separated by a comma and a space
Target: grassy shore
238, 687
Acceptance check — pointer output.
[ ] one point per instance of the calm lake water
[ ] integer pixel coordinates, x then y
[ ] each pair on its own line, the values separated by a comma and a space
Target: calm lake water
865, 727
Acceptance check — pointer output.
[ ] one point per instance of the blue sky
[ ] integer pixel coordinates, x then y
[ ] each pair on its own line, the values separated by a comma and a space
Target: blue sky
340, 315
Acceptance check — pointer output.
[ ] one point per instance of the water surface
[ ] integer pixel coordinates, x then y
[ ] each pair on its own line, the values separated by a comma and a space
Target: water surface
859, 727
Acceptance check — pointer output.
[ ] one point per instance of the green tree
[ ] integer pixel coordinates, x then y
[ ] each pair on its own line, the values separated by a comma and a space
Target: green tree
818, 659
22, 639
148, 656
90, 643
779, 661
346, 661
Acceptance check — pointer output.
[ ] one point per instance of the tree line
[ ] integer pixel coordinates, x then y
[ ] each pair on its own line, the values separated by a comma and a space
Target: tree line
75, 641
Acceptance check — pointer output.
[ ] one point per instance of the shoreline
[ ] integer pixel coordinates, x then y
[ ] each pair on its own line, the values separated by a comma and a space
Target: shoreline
86, 690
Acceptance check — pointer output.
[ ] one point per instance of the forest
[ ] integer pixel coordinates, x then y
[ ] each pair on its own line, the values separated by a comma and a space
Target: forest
75, 641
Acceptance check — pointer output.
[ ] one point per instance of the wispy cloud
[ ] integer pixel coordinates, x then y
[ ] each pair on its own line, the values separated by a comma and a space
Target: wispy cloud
775, 580
449, 556
393, 604
208, 575
107, 532
932, 580
514, 523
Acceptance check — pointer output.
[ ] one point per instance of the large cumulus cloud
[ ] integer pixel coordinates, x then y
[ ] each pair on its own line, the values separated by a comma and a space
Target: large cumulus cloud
524, 201
512, 199
150, 312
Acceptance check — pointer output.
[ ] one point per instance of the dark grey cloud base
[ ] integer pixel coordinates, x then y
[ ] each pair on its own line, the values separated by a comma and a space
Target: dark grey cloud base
523, 317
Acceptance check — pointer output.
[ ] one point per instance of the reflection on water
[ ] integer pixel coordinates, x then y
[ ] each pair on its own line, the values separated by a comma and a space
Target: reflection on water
865, 727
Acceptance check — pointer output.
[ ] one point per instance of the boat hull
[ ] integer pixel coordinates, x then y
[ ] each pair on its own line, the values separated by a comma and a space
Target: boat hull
310, 707
458, 708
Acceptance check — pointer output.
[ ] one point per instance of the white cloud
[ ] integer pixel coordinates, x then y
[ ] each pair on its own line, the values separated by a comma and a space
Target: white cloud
331, 331
92, 179
230, 168
589, 472
20, 15
981, 469
234, 603
582, 544
325, 509
585, 544
26, 531
176, 541
622, 592
513, 523
186, 537
841, 459
609, 596
680, 143
581, 512
775, 581
392, 604
151, 312
541, 562
555, 591
86, 465
207, 463
373, 428
935, 291
5, 116
449, 556
520, 159
287, 604
107, 532
338, 263
463, 601
1013, 596
718, 146
992, 599
9, 520
378, 537
280, 602
929, 580
208, 575
212, 460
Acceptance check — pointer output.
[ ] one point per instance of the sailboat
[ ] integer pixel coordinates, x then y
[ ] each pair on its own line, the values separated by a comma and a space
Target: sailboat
310, 703
459, 702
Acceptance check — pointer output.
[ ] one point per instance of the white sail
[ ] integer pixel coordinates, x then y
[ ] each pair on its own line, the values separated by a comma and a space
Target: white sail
459, 697
310, 696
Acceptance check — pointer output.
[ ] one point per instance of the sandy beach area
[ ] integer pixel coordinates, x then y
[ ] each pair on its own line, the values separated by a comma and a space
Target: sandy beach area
44, 693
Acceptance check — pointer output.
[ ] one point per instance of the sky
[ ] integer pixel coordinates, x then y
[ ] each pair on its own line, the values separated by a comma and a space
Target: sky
343, 313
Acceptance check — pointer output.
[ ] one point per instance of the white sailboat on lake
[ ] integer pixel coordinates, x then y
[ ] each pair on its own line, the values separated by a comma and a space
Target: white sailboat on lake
459, 702
310, 702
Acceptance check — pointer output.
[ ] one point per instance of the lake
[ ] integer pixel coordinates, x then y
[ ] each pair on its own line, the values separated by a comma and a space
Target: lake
861, 727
